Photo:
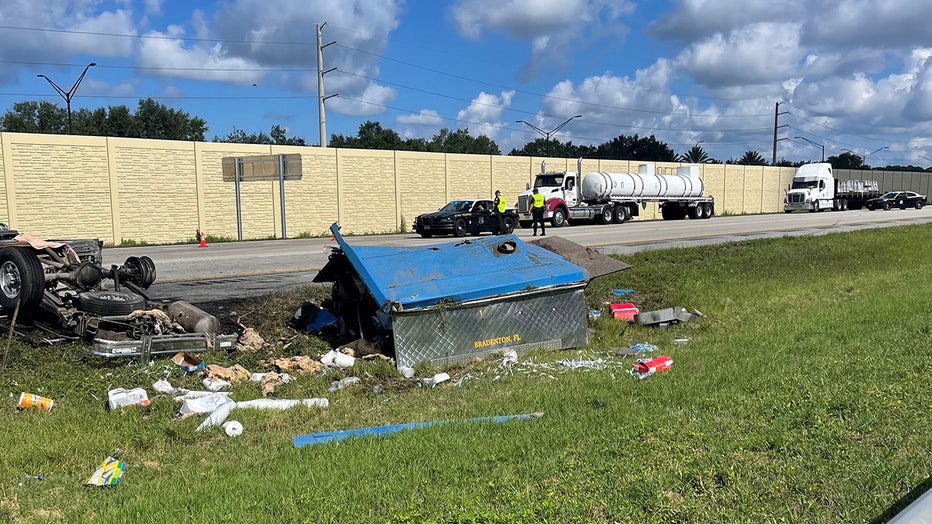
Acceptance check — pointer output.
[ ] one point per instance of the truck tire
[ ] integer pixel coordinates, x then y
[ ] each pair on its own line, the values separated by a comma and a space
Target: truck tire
22, 279
709, 209
919, 204
459, 227
559, 218
606, 215
621, 214
815, 207
110, 303
697, 213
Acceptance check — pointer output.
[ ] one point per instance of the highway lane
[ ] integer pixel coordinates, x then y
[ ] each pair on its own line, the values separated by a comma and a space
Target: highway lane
233, 269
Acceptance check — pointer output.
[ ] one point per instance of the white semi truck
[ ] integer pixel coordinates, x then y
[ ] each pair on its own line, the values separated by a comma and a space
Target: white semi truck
606, 198
814, 188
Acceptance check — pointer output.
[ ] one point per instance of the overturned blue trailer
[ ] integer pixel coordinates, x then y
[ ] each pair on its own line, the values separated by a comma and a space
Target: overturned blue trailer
449, 302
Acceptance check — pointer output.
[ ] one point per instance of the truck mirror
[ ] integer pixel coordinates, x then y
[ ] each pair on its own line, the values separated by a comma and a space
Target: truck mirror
527, 185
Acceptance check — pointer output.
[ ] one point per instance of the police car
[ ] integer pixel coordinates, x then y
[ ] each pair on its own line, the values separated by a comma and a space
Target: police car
461, 217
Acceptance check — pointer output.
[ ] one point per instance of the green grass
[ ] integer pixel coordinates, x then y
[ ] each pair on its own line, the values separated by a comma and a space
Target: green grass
802, 396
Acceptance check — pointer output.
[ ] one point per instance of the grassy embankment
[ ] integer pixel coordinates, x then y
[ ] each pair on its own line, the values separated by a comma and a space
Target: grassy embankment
802, 396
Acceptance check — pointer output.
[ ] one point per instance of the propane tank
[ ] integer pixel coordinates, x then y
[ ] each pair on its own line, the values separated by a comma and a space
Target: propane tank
192, 318
645, 183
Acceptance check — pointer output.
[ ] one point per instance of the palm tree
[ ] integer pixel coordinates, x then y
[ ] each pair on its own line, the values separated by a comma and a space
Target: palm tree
752, 158
696, 155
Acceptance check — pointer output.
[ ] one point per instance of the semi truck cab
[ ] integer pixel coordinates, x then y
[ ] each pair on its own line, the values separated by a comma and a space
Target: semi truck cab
812, 189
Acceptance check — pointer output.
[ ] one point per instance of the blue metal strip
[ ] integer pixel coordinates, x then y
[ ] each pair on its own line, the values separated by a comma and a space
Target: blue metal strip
380, 431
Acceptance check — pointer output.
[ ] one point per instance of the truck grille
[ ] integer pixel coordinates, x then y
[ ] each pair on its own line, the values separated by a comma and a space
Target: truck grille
524, 204
796, 198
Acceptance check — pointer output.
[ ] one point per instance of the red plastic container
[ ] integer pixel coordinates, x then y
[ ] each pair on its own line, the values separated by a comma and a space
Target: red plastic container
624, 311
653, 365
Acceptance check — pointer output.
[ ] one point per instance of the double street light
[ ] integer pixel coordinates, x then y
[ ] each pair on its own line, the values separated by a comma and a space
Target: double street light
813, 143
548, 134
69, 94
864, 157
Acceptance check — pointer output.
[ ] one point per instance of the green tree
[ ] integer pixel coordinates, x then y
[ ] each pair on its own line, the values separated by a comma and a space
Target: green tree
371, 136
156, 120
551, 148
460, 141
695, 155
36, 117
750, 158
636, 148
847, 160
277, 136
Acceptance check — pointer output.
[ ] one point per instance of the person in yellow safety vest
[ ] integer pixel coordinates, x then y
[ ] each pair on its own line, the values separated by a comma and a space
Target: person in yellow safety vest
538, 213
498, 207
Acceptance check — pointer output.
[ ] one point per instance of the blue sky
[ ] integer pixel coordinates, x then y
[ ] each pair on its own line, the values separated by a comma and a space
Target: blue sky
849, 74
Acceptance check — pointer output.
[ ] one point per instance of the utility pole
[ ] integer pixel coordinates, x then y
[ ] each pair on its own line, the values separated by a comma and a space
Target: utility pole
548, 134
776, 125
320, 85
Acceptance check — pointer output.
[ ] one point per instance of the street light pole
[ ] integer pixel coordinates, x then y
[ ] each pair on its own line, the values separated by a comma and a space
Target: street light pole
548, 134
815, 144
69, 94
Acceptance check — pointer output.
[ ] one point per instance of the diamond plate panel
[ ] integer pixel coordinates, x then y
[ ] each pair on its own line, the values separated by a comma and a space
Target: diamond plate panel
548, 319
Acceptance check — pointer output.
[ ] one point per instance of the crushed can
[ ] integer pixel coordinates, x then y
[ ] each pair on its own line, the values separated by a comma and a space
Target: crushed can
28, 400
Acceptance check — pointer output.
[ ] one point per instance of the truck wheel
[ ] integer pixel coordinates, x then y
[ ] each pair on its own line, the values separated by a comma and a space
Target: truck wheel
22, 279
509, 225
709, 209
606, 216
459, 228
815, 207
559, 218
697, 212
106, 303
919, 204
621, 214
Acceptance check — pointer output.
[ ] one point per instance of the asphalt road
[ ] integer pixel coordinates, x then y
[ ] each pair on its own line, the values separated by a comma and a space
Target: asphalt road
235, 269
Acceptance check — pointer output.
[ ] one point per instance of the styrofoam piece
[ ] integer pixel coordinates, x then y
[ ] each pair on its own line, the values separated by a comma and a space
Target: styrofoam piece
281, 403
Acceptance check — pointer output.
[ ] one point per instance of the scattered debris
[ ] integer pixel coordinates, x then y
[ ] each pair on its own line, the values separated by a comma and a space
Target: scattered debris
283, 403
232, 374
620, 292
437, 379
379, 431
595, 313
202, 404
636, 349
28, 400
119, 397
341, 359
269, 381
681, 340
218, 415
216, 384
626, 311
187, 363
301, 363
644, 368
509, 357
344, 383
232, 428
250, 340
664, 318
110, 471
406, 371
312, 318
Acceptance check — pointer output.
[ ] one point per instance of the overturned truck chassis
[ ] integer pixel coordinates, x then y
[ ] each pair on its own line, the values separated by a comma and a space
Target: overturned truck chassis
61, 287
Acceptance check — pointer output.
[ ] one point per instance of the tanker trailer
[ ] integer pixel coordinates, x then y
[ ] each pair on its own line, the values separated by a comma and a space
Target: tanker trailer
607, 198
678, 194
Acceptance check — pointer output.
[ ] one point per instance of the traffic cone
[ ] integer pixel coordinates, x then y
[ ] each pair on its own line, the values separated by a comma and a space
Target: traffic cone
203, 240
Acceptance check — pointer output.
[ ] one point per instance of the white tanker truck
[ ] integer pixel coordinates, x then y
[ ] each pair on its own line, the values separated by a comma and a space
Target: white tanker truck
606, 198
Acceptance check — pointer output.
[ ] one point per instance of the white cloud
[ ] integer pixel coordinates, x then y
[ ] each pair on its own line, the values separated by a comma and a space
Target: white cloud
167, 56
692, 20
484, 113
758, 53
868, 23
371, 101
426, 117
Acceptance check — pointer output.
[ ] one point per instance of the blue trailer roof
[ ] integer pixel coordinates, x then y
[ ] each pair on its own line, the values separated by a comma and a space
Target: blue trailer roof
469, 269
